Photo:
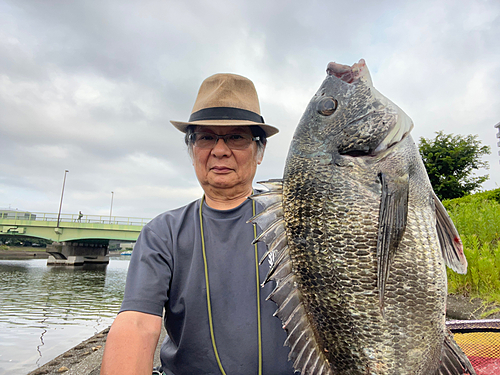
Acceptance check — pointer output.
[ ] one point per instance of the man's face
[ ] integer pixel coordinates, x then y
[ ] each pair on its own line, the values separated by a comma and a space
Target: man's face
221, 168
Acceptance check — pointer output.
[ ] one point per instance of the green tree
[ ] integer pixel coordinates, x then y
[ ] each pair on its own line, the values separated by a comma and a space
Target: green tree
450, 161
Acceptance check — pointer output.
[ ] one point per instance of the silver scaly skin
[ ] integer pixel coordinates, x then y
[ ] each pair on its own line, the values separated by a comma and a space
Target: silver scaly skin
358, 241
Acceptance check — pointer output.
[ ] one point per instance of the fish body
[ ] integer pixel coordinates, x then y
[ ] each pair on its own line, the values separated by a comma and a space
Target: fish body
358, 241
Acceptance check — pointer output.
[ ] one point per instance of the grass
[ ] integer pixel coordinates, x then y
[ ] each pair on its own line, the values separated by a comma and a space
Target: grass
477, 219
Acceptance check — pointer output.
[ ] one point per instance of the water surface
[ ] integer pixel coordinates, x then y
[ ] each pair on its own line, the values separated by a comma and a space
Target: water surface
46, 310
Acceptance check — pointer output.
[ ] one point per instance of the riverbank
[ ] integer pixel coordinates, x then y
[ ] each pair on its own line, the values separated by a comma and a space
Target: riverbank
18, 252
23, 252
86, 358
463, 308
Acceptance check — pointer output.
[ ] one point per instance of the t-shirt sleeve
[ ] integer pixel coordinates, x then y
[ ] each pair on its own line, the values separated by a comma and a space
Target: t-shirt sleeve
149, 273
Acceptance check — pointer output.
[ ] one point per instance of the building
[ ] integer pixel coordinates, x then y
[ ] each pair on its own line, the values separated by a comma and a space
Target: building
498, 136
19, 215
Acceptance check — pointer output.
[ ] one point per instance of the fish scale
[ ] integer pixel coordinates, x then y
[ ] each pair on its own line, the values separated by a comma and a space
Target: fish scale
363, 241
349, 280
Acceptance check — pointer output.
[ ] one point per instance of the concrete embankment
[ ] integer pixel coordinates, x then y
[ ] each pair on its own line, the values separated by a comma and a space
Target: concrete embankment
85, 358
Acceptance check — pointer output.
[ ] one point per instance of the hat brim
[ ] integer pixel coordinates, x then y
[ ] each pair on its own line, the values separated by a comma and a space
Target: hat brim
268, 129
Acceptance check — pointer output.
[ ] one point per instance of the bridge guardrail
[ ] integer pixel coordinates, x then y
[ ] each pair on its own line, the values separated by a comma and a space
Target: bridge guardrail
75, 218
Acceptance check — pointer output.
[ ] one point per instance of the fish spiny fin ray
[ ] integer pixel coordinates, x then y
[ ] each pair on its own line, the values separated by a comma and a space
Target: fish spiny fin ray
269, 234
273, 184
300, 335
267, 198
392, 223
269, 215
275, 248
449, 239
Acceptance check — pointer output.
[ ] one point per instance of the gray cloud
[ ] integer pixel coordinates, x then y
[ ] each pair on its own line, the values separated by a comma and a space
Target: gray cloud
91, 86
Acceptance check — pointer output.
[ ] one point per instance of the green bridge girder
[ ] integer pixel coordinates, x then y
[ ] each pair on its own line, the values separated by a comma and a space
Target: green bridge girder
71, 227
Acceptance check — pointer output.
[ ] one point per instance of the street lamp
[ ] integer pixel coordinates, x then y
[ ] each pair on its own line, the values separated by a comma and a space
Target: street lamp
111, 209
62, 194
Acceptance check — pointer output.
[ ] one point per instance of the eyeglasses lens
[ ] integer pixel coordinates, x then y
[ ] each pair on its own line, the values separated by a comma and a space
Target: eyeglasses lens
233, 141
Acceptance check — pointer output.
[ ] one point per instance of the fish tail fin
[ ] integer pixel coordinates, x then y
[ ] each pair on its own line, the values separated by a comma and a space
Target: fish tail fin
453, 359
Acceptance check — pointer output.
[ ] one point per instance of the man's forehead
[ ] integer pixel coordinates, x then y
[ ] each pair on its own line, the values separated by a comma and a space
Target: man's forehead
223, 129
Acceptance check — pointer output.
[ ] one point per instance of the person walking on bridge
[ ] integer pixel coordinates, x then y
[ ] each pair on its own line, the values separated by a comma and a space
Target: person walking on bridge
196, 265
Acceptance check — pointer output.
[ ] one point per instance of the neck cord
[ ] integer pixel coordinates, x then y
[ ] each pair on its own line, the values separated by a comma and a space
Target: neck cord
209, 305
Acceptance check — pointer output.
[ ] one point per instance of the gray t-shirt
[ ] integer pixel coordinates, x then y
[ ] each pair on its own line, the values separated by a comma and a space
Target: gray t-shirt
167, 271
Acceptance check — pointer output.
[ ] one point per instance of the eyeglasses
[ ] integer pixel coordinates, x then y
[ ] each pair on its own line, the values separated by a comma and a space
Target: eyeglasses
233, 141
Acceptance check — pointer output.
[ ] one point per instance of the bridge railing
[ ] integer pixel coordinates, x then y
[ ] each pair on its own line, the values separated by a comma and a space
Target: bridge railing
75, 218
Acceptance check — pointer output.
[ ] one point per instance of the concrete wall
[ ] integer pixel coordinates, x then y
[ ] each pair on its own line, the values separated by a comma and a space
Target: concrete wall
76, 253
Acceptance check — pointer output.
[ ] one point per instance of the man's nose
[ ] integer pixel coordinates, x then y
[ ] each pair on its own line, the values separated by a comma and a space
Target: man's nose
221, 148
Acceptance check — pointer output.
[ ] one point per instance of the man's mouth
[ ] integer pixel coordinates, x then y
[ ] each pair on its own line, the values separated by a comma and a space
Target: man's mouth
221, 169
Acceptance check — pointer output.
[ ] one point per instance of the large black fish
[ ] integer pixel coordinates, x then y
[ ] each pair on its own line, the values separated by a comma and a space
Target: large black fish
358, 240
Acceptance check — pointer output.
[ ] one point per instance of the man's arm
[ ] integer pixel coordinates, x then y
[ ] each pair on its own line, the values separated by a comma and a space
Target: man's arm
131, 344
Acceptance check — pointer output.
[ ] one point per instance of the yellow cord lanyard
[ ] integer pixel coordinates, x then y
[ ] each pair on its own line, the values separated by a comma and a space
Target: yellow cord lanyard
209, 306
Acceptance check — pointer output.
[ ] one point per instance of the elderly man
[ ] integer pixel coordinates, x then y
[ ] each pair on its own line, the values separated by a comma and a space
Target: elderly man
196, 265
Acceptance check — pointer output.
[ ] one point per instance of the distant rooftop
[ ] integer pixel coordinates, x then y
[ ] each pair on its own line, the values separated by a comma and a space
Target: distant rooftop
498, 135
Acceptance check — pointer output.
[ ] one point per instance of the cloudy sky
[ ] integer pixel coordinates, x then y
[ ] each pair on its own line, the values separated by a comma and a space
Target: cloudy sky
90, 86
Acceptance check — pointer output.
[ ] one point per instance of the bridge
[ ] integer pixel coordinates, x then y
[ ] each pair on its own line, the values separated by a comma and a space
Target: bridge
77, 238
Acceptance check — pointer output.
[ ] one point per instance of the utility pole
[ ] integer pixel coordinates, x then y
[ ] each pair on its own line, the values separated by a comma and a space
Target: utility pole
111, 208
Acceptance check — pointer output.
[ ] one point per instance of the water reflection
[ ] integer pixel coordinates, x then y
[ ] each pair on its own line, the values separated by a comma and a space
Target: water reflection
46, 310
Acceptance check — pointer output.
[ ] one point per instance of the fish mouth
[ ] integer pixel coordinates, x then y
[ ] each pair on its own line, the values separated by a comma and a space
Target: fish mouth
350, 74
381, 139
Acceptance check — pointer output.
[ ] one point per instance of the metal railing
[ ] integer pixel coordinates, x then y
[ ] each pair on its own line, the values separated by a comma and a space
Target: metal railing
72, 218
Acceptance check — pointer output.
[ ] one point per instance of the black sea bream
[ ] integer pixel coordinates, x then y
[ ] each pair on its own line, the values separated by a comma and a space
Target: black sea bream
358, 241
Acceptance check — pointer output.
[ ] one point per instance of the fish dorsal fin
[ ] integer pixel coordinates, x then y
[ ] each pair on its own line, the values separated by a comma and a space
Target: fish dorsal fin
392, 223
269, 215
449, 239
304, 350
453, 359
268, 198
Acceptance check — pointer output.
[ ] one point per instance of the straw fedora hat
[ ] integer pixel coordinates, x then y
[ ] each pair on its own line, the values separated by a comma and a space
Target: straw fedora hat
226, 100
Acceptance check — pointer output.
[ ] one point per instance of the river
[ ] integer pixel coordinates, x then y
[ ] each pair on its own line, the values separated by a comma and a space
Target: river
46, 310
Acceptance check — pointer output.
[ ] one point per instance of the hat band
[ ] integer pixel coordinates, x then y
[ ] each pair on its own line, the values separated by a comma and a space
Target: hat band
225, 113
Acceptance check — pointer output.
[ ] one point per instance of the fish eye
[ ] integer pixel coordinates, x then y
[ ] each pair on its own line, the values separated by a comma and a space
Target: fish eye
327, 106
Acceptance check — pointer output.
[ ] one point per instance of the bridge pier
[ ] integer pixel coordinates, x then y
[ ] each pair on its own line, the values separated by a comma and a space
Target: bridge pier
77, 253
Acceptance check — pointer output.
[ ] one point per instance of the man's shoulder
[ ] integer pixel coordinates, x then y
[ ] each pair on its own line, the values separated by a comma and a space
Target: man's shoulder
174, 216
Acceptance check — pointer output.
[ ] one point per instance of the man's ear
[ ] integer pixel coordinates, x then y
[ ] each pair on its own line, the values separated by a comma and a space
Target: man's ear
260, 155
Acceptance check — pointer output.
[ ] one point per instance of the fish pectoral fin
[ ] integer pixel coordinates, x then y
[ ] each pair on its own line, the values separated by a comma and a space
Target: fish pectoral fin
453, 359
449, 239
392, 223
